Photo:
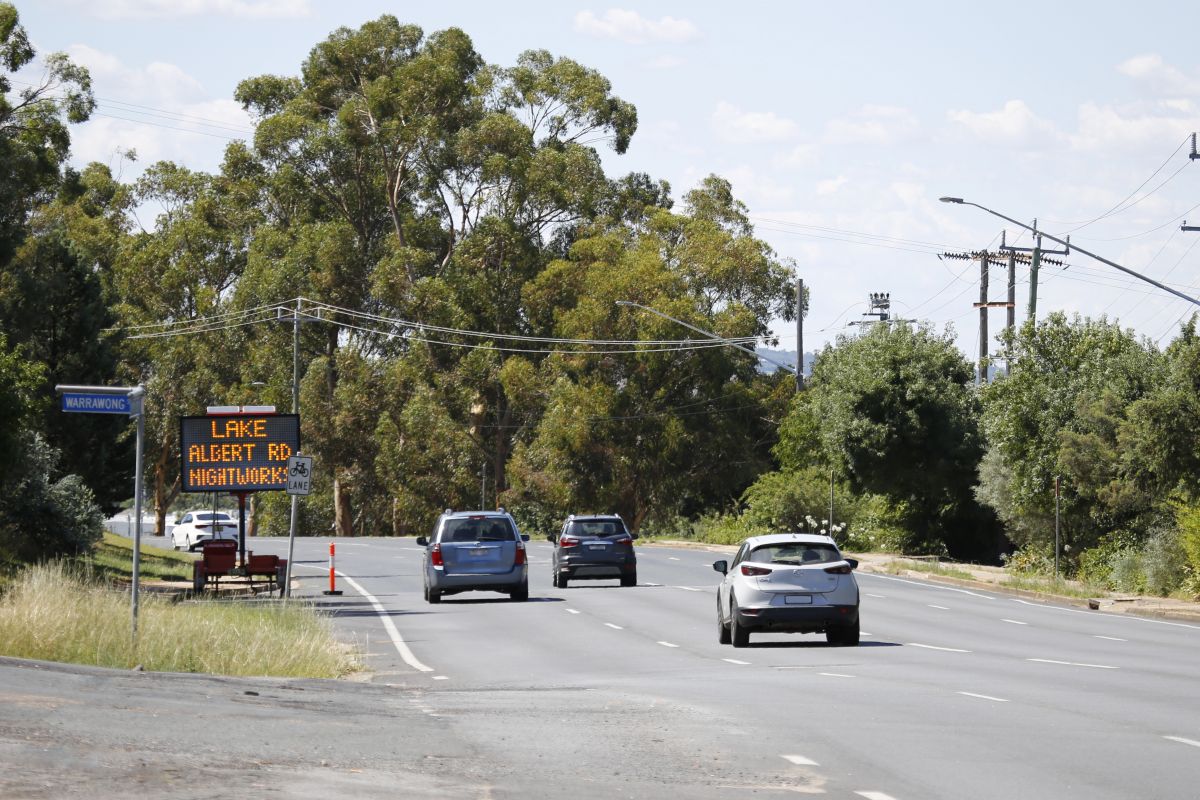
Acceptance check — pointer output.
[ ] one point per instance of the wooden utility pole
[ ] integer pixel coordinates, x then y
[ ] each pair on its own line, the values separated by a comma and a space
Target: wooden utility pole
1035, 262
799, 334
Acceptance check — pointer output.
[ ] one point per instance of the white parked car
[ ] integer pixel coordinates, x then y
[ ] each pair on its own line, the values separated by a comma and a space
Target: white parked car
196, 527
788, 583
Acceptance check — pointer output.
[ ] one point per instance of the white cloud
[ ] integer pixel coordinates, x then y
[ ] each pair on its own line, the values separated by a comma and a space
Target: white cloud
759, 192
800, 156
1110, 129
744, 127
158, 110
632, 28
831, 185
160, 9
1015, 126
874, 124
1161, 78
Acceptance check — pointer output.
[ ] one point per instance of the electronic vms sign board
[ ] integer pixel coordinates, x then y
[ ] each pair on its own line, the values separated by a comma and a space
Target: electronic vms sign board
238, 452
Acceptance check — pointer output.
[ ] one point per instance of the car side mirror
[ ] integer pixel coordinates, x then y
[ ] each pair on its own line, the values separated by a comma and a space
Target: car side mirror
721, 566
550, 538
633, 536
853, 562
524, 537
422, 541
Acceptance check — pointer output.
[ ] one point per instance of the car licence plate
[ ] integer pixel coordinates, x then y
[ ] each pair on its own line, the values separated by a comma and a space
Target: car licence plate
800, 599
597, 547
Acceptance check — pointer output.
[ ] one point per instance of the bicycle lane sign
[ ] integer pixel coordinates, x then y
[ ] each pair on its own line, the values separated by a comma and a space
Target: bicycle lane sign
299, 475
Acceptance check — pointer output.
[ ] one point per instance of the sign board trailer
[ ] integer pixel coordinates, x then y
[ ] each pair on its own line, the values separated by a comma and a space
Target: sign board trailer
237, 452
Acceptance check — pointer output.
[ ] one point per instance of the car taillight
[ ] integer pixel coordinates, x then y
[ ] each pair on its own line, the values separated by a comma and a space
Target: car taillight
520, 556
568, 541
841, 569
625, 541
754, 571
435, 555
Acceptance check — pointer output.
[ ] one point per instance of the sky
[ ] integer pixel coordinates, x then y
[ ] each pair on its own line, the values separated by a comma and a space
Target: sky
839, 125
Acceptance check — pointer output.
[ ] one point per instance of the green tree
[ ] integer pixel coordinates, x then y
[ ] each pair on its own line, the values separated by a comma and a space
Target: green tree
898, 417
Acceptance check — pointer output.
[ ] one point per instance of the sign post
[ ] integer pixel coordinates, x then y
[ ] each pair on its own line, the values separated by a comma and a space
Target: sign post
299, 484
127, 400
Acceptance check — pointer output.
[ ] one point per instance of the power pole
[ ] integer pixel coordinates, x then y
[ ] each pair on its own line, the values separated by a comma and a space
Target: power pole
1035, 262
799, 334
986, 260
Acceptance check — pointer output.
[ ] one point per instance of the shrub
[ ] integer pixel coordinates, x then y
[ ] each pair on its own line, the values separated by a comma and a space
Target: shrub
1127, 574
1032, 559
1164, 562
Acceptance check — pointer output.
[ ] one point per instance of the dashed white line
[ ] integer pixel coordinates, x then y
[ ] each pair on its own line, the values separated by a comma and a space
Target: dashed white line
672, 558
668, 644
835, 675
864, 633
735, 661
1179, 739
875, 795
984, 697
1014, 622
440, 678
801, 761
689, 588
880, 596
571, 611
1111, 638
935, 647
942, 608
614, 627
1071, 663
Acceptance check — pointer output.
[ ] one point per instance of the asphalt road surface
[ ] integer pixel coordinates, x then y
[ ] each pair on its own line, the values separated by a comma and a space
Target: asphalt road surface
599, 691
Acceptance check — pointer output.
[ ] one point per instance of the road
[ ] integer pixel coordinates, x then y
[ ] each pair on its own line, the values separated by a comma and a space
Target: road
605, 691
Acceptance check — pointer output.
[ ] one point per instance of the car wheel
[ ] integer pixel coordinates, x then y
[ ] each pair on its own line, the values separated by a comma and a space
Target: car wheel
722, 629
562, 581
739, 635
554, 579
433, 595
843, 635
629, 580
521, 593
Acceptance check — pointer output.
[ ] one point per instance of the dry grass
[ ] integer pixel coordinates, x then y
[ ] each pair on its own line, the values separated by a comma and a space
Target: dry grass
1055, 586
113, 558
53, 612
900, 566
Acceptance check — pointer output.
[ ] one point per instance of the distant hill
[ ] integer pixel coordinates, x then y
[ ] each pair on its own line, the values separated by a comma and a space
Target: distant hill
787, 357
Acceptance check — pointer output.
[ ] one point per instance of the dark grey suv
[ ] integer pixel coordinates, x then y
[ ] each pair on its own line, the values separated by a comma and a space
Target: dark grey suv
593, 546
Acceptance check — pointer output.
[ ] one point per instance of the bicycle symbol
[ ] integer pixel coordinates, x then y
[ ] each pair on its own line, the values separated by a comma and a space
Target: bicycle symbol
300, 469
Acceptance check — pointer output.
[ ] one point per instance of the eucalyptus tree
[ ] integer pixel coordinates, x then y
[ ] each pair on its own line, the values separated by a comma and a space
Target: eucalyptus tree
652, 432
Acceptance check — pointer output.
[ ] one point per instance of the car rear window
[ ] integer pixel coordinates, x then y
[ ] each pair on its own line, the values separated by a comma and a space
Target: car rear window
596, 527
219, 516
795, 553
478, 529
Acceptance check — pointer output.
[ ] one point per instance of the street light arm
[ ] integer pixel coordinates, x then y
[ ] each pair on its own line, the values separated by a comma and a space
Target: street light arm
1101, 259
709, 334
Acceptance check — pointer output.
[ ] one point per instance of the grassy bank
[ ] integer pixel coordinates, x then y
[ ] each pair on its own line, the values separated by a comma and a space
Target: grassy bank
113, 559
53, 612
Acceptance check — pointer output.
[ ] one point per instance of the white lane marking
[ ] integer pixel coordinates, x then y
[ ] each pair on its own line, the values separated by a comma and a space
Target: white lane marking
649, 584
668, 644
1014, 622
935, 647
689, 588
440, 678
801, 761
835, 675
943, 608
672, 558
572, 611
735, 661
1107, 614
614, 627
875, 795
388, 625
864, 633
929, 585
984, 697
1070, 663
1110, 638
1179, 739
880, 596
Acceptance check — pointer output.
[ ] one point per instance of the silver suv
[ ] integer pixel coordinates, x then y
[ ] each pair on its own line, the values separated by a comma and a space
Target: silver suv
475, 550
593, 546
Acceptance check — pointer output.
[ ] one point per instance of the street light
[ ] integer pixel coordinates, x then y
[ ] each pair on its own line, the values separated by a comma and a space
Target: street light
1101, 259
711, 335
